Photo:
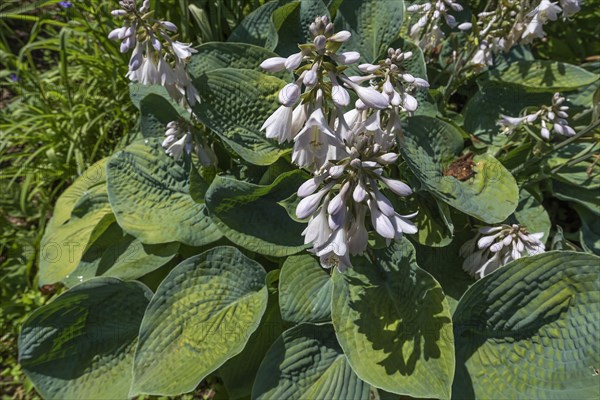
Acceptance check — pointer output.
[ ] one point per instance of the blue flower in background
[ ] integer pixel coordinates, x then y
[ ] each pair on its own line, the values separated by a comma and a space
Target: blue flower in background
65, 4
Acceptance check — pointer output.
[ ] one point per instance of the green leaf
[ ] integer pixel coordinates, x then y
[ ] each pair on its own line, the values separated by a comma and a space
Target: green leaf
257, 28
374, 24
294, 30
543, 75
491, 195
313, 302
508, 100
433, 220
532, 214
156, 112
530, 330
589, 199
80, 346
216, 55
201, 315
82, 213
249, 215
445, 265
94, 176
149, 193
235, 104
306, 362
590, 230
120, 255
239, 373
393, 322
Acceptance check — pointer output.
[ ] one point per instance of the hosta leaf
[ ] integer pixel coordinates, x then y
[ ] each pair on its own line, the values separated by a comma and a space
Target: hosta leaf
491, 195
294, 30
235, 104
120, 255
306, 362
445, 265
80, 346
532, 214
313, 302
374, 24
201, 315
239, 373
216, 55
156, 112
543, 75
82, 213
149, 193
249, 215
94, 176
258, 28
508, 100
433, 220
531, 330
590, 230
588, 198
393, 322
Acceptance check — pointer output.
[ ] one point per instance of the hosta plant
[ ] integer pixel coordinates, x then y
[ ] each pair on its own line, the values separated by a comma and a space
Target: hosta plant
312, 210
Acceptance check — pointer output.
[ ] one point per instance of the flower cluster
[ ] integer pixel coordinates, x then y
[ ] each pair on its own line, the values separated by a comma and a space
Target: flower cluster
516, 22
156, 59
179, 139
494, 247
427, 31
347, 150
553, 116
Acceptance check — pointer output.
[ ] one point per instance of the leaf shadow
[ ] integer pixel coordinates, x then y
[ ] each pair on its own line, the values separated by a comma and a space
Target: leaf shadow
408, 328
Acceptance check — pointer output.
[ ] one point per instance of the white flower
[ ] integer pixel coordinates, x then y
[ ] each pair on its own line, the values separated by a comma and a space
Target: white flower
279, 125
273, 64
312, 142
371, 97
494, 247
183, 50
570, 7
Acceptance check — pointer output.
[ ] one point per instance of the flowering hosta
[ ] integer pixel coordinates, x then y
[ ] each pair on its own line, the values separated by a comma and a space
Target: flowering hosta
311, 211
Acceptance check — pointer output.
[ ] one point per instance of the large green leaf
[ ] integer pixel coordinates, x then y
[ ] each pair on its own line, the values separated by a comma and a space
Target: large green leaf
429, 144
374, 24
120, 255
294, 29
149, 194
393, 322
156, 112
239, 373
313, 302
249, 215
82, 213
80, 346
235, 104
531, 330
258, 28
588, 198
202, 314
216, 55
306, 362
543, 75
433, 220
532, 214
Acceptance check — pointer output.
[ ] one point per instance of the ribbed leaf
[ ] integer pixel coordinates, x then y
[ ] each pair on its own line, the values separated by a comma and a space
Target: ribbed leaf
258, 28
374, 24
294, 30
235, 104
306, 362
312, 303
393, 322
120, 255
249, 215
149, 193
543, 75
216, 55
531, 330
82, 213
239, 373
80, 346
490, 195
202, 314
